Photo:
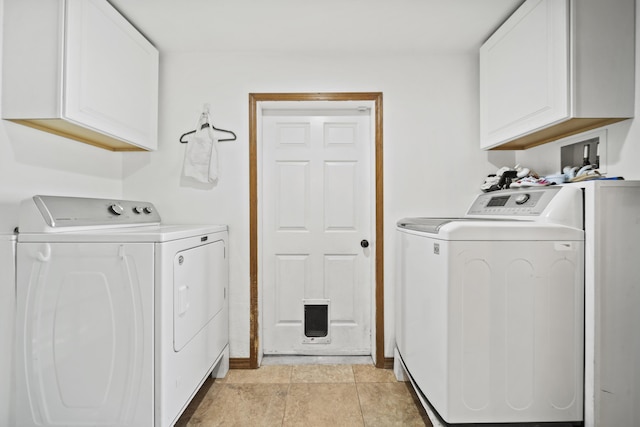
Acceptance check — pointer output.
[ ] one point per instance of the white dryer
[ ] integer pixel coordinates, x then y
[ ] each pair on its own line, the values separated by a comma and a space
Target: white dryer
489, 308
119, 319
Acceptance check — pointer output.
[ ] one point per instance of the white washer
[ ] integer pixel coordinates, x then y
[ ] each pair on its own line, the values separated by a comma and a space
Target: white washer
489, 308
119, 319
7, 316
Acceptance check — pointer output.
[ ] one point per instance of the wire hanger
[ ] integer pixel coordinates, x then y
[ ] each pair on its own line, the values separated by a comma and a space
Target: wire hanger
204, 122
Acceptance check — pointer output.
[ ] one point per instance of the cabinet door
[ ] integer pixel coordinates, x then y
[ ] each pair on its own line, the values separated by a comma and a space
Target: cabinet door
524, 72
110, 74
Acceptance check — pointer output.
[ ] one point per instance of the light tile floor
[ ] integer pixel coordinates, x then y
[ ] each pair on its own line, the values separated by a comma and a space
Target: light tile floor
306, 395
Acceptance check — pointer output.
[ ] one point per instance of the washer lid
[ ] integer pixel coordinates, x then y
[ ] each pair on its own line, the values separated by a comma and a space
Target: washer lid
474, 229
425, 225
433, 225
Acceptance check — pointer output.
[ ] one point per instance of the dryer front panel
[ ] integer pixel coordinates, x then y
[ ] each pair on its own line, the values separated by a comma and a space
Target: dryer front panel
84, 334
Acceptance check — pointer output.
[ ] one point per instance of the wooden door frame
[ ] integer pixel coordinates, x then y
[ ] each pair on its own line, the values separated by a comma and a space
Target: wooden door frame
254, 98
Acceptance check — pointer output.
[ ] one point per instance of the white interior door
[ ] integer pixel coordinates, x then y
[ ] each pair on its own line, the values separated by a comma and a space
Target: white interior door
316, 208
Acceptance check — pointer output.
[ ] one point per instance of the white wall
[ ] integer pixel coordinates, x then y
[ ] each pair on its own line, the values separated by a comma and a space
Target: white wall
432, 163
34, 162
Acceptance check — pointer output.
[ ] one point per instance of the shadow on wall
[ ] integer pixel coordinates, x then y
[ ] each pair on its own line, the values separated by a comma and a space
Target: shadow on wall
501, 158
617, 138
134, 162
39, 149
8, 216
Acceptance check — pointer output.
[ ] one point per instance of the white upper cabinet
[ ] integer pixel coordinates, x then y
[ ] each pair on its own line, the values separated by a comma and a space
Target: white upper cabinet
556, 68
79, 69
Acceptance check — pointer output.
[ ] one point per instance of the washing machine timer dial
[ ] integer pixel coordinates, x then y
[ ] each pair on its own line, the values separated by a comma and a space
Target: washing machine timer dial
523, 198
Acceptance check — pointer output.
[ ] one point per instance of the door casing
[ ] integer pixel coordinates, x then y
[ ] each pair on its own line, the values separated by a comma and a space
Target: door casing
254, 99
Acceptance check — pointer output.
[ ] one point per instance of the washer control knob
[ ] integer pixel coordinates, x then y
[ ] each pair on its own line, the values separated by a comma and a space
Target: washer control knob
522, 199
116, 209
148, 209
138, 209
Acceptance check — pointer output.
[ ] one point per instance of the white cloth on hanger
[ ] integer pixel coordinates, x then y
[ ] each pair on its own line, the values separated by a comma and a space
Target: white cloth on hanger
201, 158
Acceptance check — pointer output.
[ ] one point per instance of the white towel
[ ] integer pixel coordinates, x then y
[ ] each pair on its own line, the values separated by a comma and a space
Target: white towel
201, 158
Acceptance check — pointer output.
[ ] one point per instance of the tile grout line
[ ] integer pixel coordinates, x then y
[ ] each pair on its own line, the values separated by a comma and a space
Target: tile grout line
286, 398
358, 395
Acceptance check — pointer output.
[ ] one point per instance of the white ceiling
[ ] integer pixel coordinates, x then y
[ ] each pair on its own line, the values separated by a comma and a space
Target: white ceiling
325, 26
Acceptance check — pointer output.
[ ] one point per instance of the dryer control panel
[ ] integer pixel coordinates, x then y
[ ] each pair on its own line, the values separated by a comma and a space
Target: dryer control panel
57, 213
